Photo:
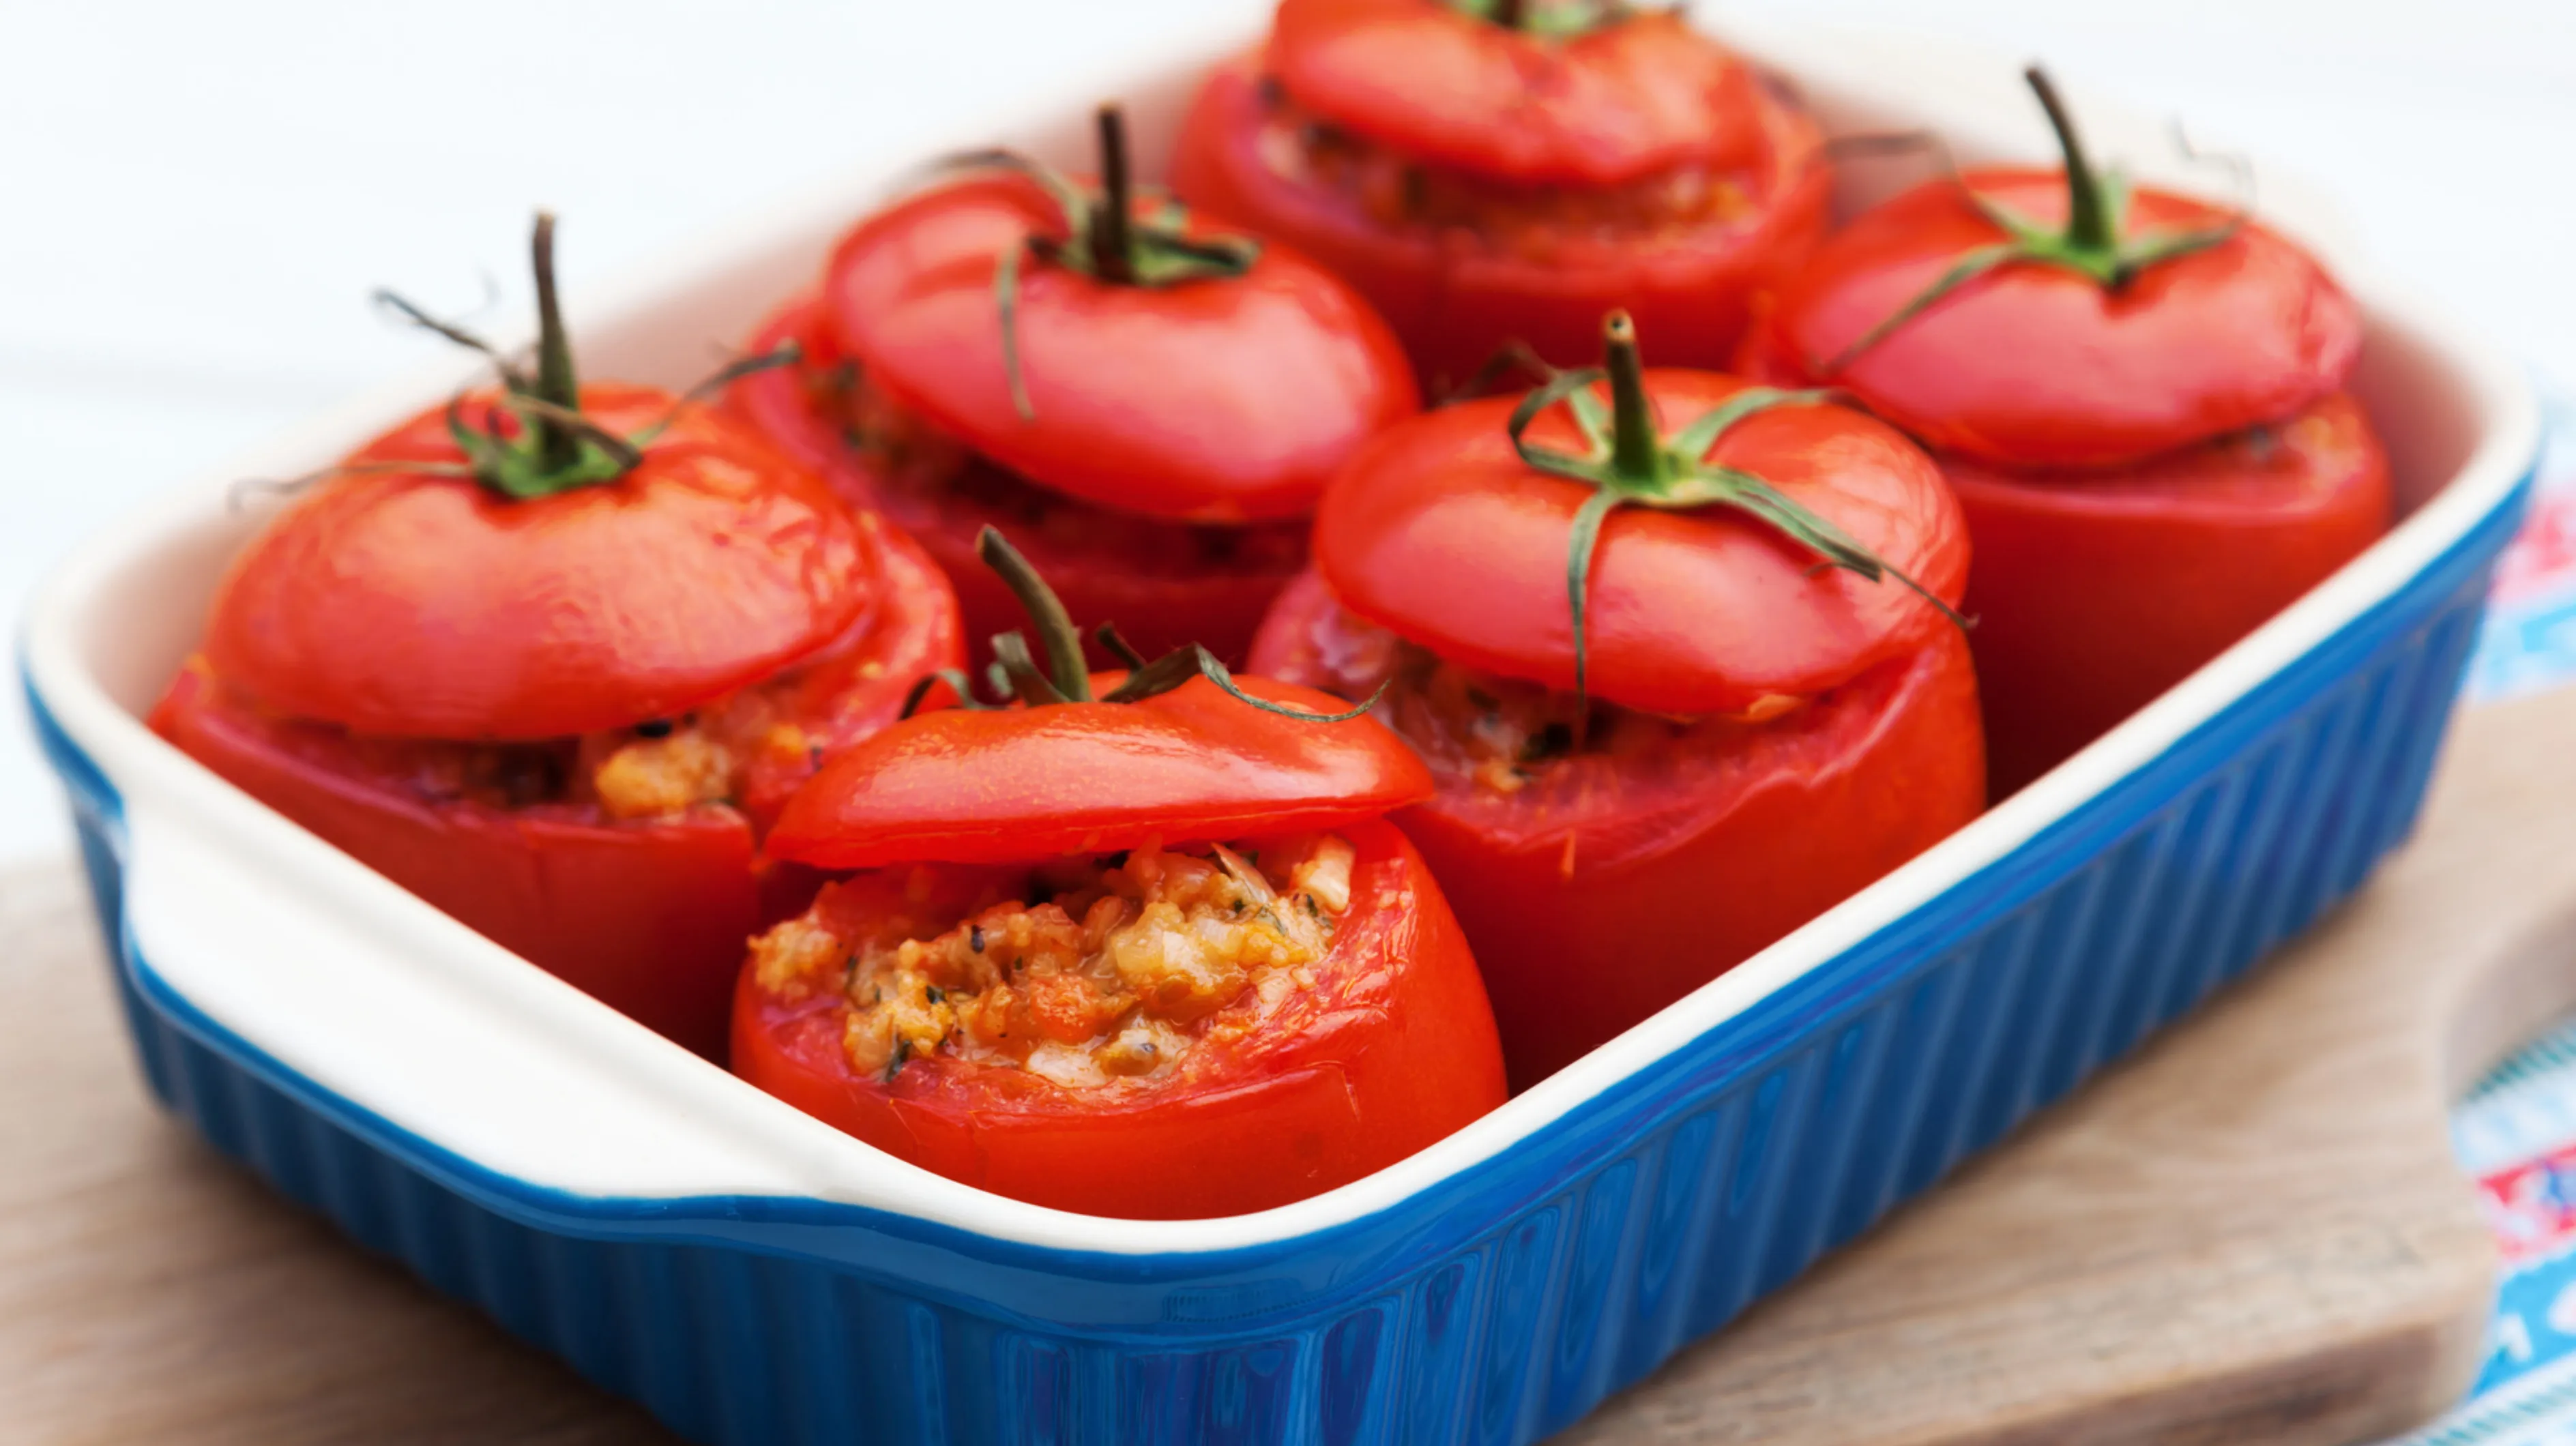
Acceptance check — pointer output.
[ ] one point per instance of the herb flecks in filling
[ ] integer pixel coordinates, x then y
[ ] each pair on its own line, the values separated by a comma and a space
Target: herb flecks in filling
1083, 971
1501, 735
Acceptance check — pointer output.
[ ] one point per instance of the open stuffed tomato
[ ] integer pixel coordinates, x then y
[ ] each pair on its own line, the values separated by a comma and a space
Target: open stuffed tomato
1679, 692
1149, 401
2138, 398
1499, 171
551, 657
1140, 945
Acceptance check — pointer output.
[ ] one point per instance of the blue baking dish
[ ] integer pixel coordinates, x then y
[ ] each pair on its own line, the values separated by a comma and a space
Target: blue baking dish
750, 1275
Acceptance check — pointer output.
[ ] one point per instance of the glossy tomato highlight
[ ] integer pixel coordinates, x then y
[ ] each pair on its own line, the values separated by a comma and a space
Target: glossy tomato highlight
1761, 705
1135, 944
1151, 400
551, 657
1511, 175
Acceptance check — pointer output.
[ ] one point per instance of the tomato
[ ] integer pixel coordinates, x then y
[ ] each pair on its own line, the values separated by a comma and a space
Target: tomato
2094, 594
2138, 398
1167, 583
1136, 948
1390, 1047
1761, 709
1150, 399
1606, 884
551, 658
1484, 184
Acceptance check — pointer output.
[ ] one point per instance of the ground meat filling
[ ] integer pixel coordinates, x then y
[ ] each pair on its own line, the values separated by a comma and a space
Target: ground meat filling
1498, 734
1396, 191
923, 469
1084, 972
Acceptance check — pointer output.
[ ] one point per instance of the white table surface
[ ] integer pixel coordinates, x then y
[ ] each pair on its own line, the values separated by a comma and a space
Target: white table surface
198, 198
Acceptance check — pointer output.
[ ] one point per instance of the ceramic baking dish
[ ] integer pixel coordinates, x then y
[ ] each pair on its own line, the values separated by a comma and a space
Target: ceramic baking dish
751, 1275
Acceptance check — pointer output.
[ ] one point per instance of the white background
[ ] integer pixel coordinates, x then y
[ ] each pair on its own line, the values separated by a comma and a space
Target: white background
195, 199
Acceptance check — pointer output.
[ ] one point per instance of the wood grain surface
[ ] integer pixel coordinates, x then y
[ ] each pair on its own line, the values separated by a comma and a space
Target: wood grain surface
2250, 1232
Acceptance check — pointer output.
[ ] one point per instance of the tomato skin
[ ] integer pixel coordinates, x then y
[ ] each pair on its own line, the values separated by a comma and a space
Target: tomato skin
2036, 366
1009, 785
1439, 532
1210, 401
1138, 572
647, 916
2095, 593
1454, 301
1585, 920
1618, 104
414, 605
1392, 1049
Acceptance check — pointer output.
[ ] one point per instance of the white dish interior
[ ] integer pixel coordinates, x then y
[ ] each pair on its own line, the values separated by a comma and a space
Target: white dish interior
374, 995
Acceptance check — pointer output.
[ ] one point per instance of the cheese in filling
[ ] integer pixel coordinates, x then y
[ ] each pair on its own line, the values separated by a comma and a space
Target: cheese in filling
1083, 972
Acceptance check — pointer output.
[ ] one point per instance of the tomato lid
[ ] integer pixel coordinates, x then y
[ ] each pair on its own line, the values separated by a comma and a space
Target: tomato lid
539, 561
1777, 544
2050, 318
1164, 366
1178, 750
1574, 92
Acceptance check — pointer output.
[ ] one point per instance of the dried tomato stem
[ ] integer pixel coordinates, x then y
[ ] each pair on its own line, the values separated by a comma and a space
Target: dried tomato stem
1112, 253
558, 445
1636, 448
1056, 632
2088, 210
1507, 13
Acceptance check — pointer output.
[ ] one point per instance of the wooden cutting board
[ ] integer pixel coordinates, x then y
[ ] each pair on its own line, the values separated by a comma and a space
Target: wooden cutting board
2251, 1231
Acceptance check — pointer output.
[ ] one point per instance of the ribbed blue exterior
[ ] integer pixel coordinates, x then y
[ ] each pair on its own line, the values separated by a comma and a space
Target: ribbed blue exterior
1500, 1305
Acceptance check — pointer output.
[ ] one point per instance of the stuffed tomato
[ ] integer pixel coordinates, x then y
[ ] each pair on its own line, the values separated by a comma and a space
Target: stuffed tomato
1140, 944
1679, 692
1148, 400
2138, 399
551, 657
1503, 172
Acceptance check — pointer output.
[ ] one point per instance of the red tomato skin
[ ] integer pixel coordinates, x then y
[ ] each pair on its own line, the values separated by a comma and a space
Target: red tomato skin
1157, 604
412, 605
1211, 401
1670, 882
1003, 786
1616, 105
1454, 303
1439, 532
2036, 366
648, 917
2094, 593
1391, 1050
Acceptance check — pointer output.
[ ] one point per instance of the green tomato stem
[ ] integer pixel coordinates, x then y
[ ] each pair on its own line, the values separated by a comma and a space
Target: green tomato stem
1113, 254
2088, 209
1636, 448
556, 385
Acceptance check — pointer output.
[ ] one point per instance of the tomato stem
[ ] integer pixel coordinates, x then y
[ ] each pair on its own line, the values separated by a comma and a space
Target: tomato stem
1056, 632
1636, 448
557, 445
2089, 224
1507, 13
1113, 255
